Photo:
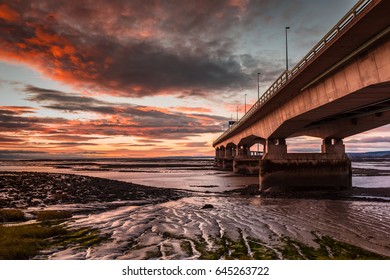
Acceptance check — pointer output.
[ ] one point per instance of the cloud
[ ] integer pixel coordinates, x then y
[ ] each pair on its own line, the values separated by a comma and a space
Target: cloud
192, 109
13, 119
9, 139
7, 14
69, 138
197, 144
144, 49
112, 119
21, 154
16, 110
125, 119
373, 139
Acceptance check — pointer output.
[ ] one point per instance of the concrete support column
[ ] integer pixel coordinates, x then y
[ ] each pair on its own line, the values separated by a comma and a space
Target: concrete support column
275, 146
333, 146
229, 152
222, 153
243, 163
243, 151
247, 151
240, 151
218, 158
326, 146
339, 146
282, 171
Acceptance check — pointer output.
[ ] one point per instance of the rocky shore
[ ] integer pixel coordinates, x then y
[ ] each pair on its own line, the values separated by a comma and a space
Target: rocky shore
35, 189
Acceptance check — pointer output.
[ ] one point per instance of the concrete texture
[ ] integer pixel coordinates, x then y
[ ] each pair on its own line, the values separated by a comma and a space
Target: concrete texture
308, 172
246, 165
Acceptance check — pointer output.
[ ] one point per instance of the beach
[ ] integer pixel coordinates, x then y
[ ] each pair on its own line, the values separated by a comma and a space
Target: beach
143, 222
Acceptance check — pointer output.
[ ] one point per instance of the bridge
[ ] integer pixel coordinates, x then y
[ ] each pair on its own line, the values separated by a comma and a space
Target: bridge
339, 89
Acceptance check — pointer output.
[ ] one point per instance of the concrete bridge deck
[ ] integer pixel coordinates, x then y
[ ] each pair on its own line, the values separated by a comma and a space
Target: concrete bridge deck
341, 88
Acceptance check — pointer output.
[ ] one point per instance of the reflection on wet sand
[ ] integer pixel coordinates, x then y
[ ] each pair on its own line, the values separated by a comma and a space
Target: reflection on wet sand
174, 230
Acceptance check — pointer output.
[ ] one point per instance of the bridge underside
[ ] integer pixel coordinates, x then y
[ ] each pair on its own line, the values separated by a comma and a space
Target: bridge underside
341, 102
351, 114
355, 113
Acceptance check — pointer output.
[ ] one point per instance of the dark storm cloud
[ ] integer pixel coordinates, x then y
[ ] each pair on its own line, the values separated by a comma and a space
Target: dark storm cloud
58, 100
146, 48
138, 48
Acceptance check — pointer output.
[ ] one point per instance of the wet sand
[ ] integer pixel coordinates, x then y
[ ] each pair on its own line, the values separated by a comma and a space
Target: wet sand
152, 223
163, 231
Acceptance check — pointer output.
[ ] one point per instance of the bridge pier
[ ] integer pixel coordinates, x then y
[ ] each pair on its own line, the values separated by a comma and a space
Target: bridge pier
227, 164
282, 171
248, 165
224, 158
245, 163
218, 161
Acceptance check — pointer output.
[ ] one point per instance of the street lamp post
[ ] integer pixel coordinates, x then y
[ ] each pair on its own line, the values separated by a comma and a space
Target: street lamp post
258, 86
245, 102
287, 28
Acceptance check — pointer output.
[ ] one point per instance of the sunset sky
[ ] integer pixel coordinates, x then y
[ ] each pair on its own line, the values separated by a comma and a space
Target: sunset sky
140, 78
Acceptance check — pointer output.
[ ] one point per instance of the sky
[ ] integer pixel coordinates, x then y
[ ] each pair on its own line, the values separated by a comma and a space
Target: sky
148, 78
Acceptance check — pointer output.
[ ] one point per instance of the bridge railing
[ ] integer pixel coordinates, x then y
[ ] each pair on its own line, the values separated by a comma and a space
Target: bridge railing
286, 76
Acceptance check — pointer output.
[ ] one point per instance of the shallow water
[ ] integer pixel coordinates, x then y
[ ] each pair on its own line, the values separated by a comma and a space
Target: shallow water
371, 181
158, 231
372, 165
196, 179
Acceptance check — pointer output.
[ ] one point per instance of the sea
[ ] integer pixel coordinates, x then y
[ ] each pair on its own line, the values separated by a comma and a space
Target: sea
188, 173
195, 174
174, 229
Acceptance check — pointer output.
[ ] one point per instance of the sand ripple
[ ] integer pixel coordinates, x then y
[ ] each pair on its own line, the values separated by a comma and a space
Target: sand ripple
173, 229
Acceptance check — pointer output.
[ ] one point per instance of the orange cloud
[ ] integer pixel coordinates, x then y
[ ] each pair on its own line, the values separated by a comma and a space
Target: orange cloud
123, 47
51, 53
7, 14
16, 110
192, 109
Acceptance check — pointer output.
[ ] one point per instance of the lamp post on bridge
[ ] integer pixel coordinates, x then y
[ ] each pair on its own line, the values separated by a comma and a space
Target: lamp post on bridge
245, 102
258, 86
287, 28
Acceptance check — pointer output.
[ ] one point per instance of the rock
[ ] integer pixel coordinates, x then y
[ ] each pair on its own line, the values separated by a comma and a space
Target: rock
207, 206
250, 190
